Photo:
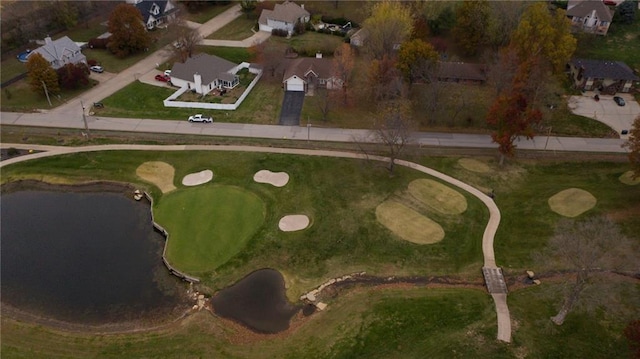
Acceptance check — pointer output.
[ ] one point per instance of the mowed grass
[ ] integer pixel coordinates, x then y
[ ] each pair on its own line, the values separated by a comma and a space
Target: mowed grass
238, 29
208, 225
19, 97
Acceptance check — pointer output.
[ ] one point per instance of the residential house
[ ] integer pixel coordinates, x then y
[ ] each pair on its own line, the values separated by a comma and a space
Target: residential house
306, 73
359, 37
60, 52
203, 73
283, 16
589, 16
155, 12
461, 72
606, 76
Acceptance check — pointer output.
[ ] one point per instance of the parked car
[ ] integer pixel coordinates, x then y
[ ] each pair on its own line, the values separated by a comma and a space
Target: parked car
619, 100
167, 72
163, 78
96, 68
200, 118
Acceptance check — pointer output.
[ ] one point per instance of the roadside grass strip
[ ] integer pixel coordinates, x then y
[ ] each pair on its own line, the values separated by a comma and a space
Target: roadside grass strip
572, 202
197, 178
293, 222
159, 173
208, 225
627, 178
277, 179
438, 197
474, 165
408, 224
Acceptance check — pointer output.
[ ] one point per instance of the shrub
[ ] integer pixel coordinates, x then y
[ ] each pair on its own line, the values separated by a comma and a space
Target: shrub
12, 151
8, 93
92, 62
97, 43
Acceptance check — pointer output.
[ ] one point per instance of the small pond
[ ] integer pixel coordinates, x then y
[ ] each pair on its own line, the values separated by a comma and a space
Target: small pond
83, 255
258, 301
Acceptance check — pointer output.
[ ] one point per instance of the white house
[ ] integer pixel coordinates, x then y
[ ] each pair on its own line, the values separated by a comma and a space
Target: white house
155, 12
308, 72
60, 52
590, 16
283, 16
204, 72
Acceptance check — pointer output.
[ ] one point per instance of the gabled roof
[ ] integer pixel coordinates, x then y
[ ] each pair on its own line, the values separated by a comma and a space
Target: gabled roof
57, 49
301, 67
144, 6
616, 70
586, 7
287, 12
209, 67
461, 71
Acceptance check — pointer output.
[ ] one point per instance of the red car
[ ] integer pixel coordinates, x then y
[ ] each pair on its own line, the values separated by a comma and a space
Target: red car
163, 78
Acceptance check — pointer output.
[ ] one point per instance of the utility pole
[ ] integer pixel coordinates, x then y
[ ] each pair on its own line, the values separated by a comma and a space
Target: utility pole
47, 93
84, 118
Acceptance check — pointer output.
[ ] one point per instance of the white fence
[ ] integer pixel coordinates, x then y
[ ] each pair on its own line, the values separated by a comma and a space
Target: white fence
170, 101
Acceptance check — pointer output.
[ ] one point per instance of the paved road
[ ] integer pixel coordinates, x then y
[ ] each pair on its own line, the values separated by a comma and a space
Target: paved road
500, 299
74, 120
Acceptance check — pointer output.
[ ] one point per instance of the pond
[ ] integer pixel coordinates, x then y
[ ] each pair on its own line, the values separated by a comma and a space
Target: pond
83, 255
258, 301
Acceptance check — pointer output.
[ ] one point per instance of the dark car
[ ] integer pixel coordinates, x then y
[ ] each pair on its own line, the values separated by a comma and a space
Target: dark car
163, 78
619, 100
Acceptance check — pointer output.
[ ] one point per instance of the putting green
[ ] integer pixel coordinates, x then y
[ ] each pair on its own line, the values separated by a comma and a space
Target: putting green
159, 173
408, 224
208, 225
437, 196
572, 202
627, 178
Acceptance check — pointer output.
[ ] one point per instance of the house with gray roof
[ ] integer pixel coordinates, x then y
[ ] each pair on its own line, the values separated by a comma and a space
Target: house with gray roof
306, 73
606, 76
60, 52
590, 16
203, 73
283, 16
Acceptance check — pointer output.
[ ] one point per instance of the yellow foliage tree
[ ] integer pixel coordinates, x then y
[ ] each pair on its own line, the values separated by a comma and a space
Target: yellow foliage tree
389, 25
41, 74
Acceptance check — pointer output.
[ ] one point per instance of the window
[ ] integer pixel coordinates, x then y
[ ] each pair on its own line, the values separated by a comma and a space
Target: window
155, 9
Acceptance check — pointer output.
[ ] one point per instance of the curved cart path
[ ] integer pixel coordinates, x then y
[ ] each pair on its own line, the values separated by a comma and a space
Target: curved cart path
500, 299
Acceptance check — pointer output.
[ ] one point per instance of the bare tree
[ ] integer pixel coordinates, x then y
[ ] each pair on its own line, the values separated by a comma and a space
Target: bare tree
394, 128
325, 102
185, 41
585, 248
270, 56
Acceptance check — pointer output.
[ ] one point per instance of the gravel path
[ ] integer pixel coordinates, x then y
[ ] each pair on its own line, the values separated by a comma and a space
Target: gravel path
500, 300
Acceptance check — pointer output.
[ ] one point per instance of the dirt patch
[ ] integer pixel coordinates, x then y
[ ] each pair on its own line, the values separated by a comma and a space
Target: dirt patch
277, 179
294, 222
198, 178
474, 165
437, 196
159, 173
408, 224
572, 202
627, 178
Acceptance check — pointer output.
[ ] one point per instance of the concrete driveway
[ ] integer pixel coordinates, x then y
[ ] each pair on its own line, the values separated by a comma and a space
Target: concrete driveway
620, 118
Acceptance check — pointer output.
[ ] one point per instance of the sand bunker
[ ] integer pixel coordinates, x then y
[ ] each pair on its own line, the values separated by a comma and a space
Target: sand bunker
437, 196
474, 165
627, 178
408, 224
294, 222
572, 202
277, 179
198, 178
159, 173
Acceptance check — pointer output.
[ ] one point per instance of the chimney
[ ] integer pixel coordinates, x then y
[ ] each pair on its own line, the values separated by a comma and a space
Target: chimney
47, 40
318, 55
198, 82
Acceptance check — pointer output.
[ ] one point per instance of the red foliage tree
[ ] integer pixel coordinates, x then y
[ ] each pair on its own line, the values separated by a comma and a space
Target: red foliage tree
72, 76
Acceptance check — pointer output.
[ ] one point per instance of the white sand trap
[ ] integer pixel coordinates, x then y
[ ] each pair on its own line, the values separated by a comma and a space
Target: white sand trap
438, 196
294, 222
627, 178
198, 178
572, 202
278, 179
474, 165
408, 224
159, 173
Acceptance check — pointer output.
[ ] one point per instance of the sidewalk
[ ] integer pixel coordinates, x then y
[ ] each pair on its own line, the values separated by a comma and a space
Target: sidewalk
257, 38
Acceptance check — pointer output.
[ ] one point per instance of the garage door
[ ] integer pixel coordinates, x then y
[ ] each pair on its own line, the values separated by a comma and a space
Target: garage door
295, 86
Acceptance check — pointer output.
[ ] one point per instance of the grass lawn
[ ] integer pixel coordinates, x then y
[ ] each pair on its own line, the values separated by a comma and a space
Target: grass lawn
18, 97
309, 43
622, 43
208, 225
238, 29
207, 12
233, 54
11, 68
356, 11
